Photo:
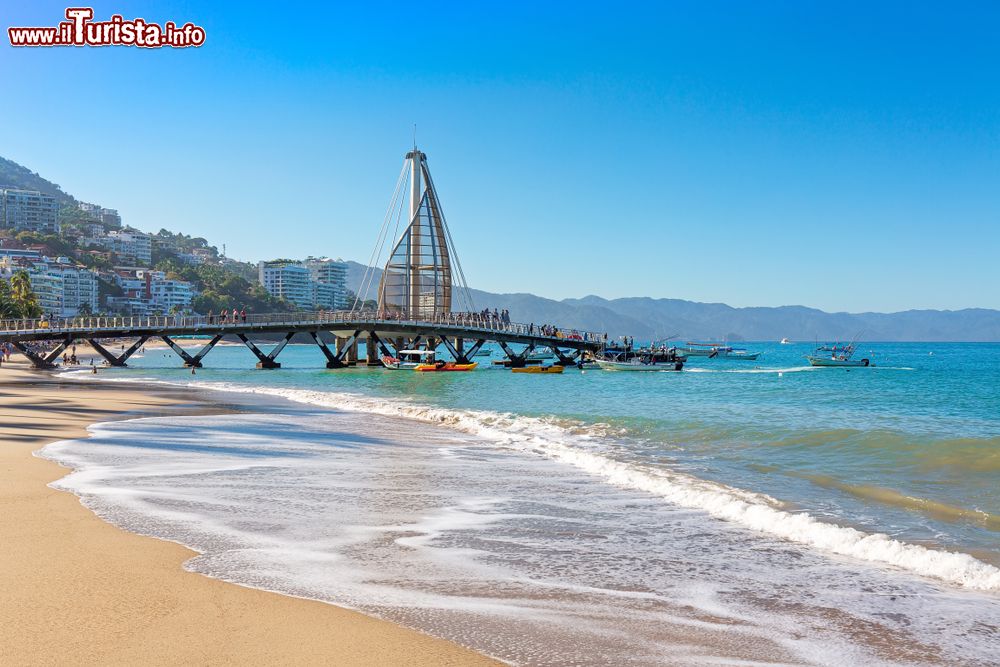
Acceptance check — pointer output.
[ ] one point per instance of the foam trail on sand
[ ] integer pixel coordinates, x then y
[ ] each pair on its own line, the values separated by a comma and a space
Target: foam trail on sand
584, 448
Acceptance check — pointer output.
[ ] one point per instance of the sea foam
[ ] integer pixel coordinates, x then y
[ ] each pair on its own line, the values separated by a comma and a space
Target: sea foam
585, 448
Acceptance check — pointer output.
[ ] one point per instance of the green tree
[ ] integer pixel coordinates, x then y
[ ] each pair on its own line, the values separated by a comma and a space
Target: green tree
17, 298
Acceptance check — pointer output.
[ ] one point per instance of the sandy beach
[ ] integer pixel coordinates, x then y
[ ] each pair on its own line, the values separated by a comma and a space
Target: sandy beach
76, 590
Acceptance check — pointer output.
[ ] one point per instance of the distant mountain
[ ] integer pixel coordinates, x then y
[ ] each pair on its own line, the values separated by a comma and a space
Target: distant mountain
13, 175
645, 317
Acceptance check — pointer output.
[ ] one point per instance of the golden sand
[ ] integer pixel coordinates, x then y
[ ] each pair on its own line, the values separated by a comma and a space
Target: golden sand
76, 590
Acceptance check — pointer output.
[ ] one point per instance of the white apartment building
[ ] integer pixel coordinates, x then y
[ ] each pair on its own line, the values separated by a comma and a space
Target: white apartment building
63, 289
108, 216
331, 273
80, 291
146, 292
325, 296
131, 245
292, 282
167, 295
28, 210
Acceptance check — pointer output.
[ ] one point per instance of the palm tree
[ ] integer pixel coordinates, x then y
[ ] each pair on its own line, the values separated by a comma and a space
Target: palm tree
23, 296
8, 309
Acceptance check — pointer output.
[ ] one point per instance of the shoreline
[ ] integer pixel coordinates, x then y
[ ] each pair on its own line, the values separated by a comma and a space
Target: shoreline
80, 590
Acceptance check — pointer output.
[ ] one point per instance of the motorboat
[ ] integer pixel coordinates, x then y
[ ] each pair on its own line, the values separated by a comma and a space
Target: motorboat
710, 350
738, 354
407, 360
785, 341
639, 364
645, 359
837, 356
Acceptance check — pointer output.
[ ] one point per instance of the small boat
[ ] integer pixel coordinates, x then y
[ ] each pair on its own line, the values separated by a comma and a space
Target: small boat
444, 366
785, 341
407, 360
710, 350
738, 354
483, 353
640, 364
541, 355
838, 356
538, 369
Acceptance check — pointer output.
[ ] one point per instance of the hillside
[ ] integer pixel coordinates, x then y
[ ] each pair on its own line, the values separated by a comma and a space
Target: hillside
221, 285
15, 176
645, 317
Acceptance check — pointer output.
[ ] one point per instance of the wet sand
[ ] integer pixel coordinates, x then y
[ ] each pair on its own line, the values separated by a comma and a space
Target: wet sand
76, 590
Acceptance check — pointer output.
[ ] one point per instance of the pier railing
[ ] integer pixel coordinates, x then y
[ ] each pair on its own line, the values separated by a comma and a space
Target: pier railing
472, 322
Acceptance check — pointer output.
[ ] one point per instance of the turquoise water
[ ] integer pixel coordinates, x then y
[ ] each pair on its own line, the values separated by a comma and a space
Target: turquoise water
735, 513
909, 447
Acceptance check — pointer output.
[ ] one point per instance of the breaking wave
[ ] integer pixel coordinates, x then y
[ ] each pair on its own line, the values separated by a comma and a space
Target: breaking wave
588, 447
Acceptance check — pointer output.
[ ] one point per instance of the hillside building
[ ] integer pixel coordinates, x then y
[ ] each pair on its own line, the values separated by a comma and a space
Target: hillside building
29, 211
315, 284
63, 289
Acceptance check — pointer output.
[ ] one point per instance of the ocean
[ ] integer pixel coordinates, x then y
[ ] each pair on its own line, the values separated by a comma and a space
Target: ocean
735, 513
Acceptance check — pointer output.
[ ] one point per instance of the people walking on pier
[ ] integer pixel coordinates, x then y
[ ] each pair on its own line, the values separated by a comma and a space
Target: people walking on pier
243, 315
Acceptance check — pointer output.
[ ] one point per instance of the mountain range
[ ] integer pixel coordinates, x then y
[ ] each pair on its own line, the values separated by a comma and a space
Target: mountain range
646, 318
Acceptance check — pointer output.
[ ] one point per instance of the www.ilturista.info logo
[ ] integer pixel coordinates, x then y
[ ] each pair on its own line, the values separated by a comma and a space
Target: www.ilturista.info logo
81, 30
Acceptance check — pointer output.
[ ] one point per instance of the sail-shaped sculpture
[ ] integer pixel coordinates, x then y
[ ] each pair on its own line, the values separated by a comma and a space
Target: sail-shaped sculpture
417, 280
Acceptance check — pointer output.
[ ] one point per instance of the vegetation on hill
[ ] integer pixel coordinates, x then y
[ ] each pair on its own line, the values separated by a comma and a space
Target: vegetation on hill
223, 289
221, 284
13, 175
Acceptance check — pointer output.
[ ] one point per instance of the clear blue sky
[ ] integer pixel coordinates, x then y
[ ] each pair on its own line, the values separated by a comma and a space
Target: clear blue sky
839, 155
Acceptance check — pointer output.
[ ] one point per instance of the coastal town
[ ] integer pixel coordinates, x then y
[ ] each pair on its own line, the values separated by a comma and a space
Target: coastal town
81, 259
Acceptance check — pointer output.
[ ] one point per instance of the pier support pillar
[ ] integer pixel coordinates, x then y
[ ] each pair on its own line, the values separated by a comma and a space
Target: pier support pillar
123, 357
43, 362
189, 360
267, 361
457, 351
331, 359
564, 360
347, 351
517, 360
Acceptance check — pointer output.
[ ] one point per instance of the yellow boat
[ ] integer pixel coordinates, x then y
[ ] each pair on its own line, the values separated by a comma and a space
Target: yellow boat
442, 366
538, 369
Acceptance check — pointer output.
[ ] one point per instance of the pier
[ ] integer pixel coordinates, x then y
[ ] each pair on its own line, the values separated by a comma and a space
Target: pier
335, 333
414, 308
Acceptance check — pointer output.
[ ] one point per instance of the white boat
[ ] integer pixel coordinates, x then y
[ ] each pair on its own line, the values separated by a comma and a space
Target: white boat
637, 364
703, 349
717, 351
837, 356
834, 361
738, 354
541, 355
408, 359
785, 341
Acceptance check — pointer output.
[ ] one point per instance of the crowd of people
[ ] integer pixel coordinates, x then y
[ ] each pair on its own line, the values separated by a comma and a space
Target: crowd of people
224, 316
